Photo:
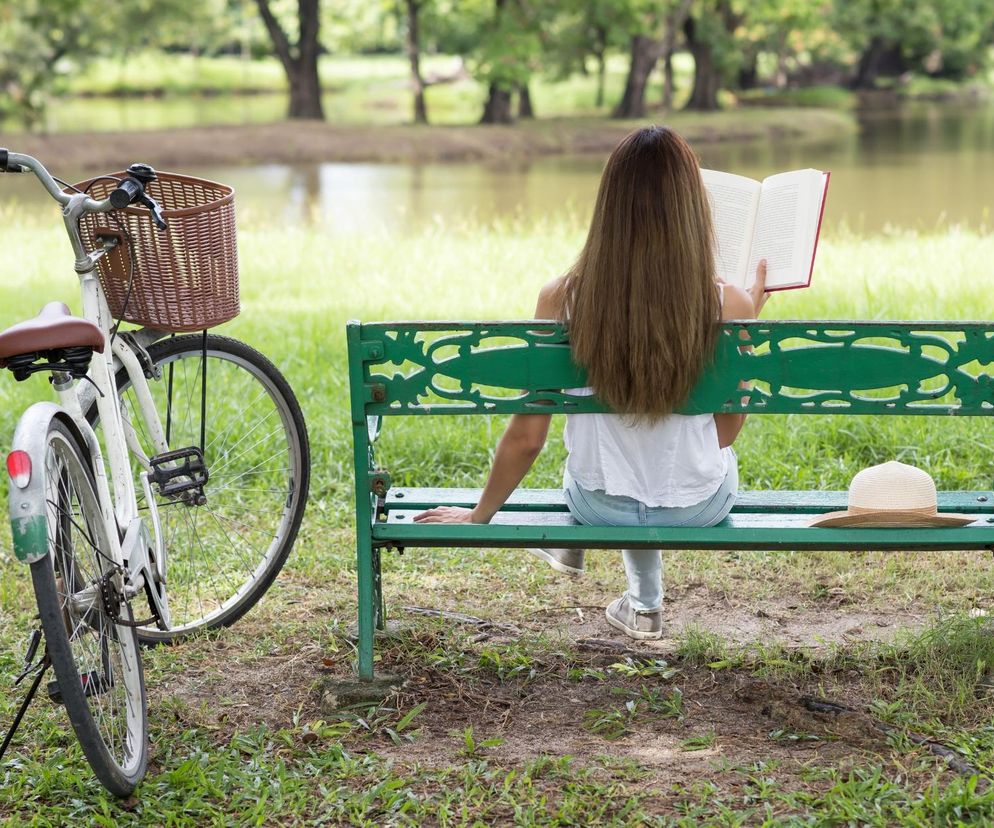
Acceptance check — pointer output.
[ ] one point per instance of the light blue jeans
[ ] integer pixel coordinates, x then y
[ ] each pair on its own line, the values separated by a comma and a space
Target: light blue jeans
644, 567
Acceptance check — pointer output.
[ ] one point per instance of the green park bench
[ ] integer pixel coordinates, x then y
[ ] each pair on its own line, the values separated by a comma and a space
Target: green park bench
403, 369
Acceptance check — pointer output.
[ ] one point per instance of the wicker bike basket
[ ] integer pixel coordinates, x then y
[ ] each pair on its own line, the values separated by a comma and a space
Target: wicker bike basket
185, 278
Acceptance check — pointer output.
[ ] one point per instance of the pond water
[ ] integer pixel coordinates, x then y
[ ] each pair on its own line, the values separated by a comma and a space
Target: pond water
924, 167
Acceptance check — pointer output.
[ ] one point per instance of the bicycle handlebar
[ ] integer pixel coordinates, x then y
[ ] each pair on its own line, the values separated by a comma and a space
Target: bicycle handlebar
129, 190
16, 162
132, 190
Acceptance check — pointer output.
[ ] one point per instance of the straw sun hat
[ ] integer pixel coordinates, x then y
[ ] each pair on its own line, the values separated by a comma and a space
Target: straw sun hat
891, 495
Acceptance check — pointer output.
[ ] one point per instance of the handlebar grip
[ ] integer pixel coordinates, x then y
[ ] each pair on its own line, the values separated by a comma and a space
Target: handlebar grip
127, 192
8, 166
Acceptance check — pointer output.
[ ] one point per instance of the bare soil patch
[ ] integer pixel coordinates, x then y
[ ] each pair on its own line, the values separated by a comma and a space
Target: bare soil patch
732, 724
730, 719
790, 622
314, 142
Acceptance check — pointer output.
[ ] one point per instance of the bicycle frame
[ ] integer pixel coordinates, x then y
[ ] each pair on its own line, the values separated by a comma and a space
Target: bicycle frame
130, 540
85, 511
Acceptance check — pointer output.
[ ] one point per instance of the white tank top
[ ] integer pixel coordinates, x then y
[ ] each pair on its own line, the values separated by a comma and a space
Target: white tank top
675, 461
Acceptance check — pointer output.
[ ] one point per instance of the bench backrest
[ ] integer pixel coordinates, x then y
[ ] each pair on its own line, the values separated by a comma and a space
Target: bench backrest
793, 367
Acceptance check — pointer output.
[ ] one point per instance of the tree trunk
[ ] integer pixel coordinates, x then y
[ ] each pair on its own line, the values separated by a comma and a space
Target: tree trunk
601, 75
667, 101
780, 79
525, 109
413, 44
704, 97
497, 109
300, 60
880, 58
644, 54
674, 23
600, 55
305, 93
749, 73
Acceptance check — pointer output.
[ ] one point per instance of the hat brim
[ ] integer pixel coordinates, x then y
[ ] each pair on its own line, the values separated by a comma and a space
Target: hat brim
891, 520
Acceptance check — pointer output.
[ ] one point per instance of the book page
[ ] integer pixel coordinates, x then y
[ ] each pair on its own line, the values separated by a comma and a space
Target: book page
787, 227
734, 199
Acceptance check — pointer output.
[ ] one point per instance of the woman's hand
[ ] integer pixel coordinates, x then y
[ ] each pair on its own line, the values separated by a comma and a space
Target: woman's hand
447, 514
758, 292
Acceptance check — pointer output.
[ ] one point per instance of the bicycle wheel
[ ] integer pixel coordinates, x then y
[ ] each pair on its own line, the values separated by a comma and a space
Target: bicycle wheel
96, 660
224, 548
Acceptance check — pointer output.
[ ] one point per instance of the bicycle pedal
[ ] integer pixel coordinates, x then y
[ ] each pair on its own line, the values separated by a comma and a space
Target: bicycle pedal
93, 685
179, 471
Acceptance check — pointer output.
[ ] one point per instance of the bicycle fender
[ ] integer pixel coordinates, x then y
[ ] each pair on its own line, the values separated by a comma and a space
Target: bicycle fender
28, 508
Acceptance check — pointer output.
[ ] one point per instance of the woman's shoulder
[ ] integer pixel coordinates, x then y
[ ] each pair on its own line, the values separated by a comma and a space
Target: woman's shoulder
737, 303
550, 299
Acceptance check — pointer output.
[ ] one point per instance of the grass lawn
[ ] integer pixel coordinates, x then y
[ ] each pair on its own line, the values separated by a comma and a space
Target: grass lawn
543, 715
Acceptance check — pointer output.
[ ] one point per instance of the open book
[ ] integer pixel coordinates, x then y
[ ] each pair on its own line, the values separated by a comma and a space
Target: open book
777, 219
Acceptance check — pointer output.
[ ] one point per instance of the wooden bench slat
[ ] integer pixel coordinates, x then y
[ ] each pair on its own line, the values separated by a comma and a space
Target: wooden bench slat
739, 531
781, 501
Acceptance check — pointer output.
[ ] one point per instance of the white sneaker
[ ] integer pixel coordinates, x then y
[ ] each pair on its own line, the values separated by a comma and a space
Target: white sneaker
639, 624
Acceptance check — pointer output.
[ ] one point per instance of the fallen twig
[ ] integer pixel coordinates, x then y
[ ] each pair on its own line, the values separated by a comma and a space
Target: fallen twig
462, 618
544, 610
606, 645
953, 759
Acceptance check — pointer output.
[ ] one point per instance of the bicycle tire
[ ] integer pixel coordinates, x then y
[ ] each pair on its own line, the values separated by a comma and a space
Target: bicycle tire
97, 662
212, 580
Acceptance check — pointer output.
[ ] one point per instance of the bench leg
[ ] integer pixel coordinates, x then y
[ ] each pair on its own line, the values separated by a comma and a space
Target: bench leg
367, 603
377, 590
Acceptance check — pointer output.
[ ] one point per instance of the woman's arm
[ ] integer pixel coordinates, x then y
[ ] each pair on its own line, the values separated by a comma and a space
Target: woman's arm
520, 444
517, 449
740, 304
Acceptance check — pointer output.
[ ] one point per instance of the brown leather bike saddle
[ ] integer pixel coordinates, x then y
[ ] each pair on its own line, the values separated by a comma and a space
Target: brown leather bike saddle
51, 330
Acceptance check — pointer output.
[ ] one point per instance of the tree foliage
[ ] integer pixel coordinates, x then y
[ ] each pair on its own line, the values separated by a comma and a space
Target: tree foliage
951, 38
505, 44
44, 41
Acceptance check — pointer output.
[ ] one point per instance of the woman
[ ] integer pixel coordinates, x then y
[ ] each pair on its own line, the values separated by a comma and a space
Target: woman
642, 305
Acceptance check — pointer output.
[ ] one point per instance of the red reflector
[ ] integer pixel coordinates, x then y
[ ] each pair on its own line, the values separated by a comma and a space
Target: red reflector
19, 468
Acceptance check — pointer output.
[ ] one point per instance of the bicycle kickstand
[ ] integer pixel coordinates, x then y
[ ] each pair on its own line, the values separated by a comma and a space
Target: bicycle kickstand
44, 664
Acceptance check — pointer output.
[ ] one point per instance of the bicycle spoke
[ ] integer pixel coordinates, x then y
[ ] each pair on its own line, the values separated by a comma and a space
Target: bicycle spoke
230, 460
223, 551
95, 660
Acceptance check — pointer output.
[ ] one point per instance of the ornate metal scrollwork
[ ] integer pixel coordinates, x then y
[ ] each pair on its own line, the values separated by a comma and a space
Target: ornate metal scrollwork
786, 367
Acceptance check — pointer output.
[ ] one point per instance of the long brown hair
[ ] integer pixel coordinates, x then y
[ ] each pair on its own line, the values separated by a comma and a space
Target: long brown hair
641, 301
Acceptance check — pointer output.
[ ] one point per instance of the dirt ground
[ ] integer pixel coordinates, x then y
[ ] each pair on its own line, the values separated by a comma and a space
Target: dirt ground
312, 142
741, 719
782, 621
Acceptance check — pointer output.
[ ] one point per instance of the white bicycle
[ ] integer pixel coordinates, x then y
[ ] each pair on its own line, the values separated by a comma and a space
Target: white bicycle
200, 498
